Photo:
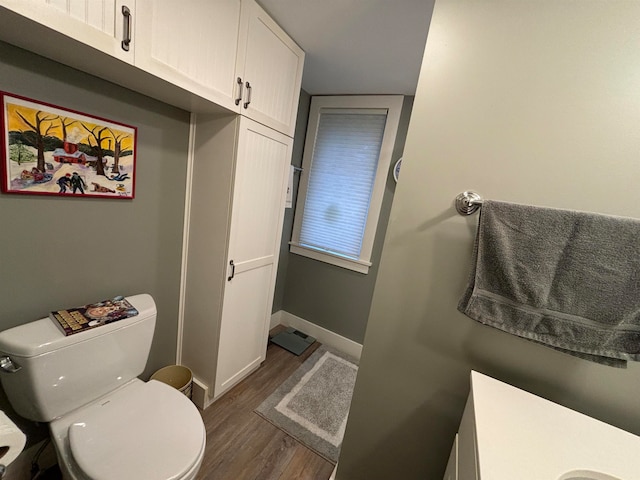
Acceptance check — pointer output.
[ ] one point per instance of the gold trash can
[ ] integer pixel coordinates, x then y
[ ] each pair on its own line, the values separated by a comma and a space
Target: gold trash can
177, 376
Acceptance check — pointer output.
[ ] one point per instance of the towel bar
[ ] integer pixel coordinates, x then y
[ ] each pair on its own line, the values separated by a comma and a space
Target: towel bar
468, 203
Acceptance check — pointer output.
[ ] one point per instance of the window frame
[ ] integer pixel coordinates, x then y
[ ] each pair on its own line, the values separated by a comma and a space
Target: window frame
393, 105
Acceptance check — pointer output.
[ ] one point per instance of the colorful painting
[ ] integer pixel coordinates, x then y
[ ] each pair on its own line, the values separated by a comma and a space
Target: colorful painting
50, 150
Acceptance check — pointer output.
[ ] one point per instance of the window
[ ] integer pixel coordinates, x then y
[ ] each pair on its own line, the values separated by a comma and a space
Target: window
345, 166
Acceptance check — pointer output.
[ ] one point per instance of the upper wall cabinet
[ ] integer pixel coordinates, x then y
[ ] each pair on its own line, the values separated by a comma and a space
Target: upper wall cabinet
195, 54
229, 51
106, 25
270, 67
193, 44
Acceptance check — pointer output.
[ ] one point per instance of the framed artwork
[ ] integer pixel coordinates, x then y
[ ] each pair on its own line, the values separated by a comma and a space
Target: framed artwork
51, 150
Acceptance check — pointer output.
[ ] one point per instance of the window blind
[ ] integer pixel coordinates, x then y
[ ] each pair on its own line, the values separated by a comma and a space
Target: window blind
341, 179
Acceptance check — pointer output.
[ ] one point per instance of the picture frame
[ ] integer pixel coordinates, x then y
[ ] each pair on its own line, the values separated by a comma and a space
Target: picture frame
51, 150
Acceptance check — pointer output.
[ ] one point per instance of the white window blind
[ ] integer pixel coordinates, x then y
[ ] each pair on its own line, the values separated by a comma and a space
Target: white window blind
347, 155
341, 180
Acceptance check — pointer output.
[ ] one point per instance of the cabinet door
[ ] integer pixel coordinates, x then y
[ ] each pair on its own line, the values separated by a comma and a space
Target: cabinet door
256, 227
270, 64
106, 25
192, 44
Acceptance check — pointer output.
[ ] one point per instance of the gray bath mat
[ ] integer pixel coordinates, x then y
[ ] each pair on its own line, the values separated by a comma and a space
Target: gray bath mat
312, 405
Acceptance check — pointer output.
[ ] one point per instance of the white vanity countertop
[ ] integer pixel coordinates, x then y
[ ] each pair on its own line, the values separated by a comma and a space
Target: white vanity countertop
521, 436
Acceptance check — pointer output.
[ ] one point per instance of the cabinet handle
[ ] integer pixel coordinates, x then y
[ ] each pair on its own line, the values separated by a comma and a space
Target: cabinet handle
233, 271
126, 40
239, 97
249, 90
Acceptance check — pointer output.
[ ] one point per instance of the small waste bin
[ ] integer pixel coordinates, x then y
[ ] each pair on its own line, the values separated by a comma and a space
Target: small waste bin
178, 376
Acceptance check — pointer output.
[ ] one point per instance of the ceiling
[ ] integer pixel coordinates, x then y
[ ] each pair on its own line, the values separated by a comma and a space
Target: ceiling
357, 46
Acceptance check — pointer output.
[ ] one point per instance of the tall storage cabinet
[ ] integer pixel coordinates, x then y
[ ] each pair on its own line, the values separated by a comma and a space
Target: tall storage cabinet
237, 209
236, 224
259, 191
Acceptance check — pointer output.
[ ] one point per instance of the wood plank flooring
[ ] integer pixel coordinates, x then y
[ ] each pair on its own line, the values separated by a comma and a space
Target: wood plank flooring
241, 445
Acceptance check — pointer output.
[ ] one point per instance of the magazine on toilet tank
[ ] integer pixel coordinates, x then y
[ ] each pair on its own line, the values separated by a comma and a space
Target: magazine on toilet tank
93, 315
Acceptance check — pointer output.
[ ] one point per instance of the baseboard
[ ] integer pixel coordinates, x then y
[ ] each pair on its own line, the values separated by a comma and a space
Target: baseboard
200, 394
276, 319
321, 334
333, 474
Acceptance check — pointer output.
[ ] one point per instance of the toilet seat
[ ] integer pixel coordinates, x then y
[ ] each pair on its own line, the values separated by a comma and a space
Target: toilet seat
143, 430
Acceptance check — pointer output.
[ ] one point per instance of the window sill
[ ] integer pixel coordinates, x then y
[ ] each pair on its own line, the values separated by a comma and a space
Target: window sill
359, 266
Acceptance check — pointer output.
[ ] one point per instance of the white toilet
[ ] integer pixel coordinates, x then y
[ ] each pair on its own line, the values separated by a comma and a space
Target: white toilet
105, 423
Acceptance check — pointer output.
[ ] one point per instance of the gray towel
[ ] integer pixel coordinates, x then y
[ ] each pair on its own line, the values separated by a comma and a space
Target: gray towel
566, 279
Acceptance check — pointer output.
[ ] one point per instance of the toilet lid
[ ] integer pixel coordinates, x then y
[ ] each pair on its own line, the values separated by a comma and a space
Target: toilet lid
142, 431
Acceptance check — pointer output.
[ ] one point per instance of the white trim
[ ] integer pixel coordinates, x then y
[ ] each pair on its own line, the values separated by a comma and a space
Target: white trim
276, 319
200, 394
392, 104
333, 474
185, 236
357, 265
321, 334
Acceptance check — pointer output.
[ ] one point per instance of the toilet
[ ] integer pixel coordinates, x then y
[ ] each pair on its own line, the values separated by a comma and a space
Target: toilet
105, 423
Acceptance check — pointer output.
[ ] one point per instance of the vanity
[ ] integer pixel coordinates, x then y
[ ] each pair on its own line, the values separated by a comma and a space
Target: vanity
507, 433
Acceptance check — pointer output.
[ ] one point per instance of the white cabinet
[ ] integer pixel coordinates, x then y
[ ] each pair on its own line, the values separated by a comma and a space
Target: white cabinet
193, 44
466, 451
451, 473
236, 214
259, 193
270, 66
106, 25
228, 51
200, 55
507, 433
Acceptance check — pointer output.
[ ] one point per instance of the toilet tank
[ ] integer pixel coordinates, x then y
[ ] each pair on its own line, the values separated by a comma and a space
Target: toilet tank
59, 373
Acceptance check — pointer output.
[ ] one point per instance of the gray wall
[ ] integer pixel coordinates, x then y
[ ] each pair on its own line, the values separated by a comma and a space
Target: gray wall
329, 296
296, 159
62, 252
527, 102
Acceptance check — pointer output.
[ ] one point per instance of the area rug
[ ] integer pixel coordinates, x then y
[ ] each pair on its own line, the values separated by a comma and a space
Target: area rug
312, 405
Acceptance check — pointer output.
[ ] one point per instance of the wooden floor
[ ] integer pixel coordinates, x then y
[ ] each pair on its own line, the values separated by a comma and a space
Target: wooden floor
241, 445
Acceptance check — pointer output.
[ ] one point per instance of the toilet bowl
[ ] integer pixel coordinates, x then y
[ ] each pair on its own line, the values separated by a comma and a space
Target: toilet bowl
105, 423
141, 431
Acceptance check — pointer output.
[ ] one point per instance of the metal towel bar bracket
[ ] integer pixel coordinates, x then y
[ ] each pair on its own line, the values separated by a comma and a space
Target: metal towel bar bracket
468, 203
